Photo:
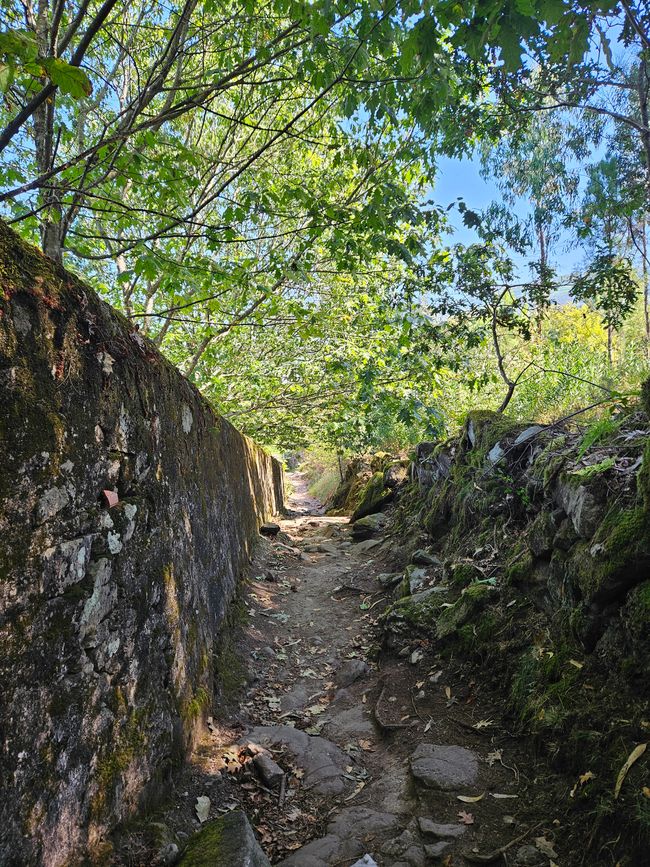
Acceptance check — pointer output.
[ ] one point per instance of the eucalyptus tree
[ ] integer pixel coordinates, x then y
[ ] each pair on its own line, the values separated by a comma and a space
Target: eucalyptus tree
537, 164
608, 280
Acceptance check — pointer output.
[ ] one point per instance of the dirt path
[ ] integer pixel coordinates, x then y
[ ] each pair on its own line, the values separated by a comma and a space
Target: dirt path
402, 758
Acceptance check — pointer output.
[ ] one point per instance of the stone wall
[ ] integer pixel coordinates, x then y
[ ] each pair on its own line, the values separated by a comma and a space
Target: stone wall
127, 512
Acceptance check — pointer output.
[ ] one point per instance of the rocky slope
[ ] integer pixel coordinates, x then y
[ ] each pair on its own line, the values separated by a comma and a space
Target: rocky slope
534, 564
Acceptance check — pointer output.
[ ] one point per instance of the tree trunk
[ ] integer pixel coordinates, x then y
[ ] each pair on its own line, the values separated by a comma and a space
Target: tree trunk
642, 88
52, 230
543, 261
646, 305
610, 344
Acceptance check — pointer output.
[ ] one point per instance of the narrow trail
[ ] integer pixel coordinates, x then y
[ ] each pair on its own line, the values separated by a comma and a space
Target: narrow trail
401, 758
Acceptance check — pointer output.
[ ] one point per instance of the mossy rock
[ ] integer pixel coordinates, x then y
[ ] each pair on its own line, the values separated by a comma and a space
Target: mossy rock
550, 461
540, 534
463, 574
225, 842
484, 428
419, 613
380, 461
520, 567
466, 608
414, 578
618, 557
375, 496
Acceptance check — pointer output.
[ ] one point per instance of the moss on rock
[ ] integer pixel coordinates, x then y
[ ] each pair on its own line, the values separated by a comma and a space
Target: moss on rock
463, 574
225, 842
619, 555
483, 430
470, 603
375, 495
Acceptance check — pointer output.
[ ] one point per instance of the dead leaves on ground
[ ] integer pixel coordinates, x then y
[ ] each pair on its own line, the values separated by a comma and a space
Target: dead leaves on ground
582, 781
545, 847
636, 754
202, 808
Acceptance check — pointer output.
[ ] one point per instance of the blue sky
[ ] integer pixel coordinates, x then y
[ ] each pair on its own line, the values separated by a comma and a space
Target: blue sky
462, 178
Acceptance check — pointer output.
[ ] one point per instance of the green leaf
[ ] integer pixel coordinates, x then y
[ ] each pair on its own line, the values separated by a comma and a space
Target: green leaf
19, 44
7, 71
526, 7
69, 79
510, 48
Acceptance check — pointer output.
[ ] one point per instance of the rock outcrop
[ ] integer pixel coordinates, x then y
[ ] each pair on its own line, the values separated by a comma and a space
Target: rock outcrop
538, 541
128, 509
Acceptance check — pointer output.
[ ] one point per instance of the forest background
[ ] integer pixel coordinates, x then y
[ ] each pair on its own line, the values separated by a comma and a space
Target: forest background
255, 186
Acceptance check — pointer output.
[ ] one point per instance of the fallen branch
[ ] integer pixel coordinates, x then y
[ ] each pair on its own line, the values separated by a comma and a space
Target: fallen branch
350, 589
489, 857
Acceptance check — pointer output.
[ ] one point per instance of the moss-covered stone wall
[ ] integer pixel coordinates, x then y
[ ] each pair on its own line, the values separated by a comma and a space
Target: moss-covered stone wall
128, 509
538, 540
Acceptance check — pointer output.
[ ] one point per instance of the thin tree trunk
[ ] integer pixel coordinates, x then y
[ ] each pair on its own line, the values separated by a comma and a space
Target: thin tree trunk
646, 305
543, 261
642, 89
50, 199
500, 362
610, 341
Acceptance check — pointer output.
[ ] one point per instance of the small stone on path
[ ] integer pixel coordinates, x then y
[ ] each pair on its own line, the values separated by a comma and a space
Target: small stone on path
270, 772
444, 767
436, 850
366, 545
371, 525
323, 762
351, 670
437, 829
270, 529
424, 558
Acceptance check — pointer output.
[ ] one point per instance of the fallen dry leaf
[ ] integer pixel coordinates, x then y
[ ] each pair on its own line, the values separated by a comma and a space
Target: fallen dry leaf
316, 709
366, 745
494, 756
636, 753
448, 691
545, 847
356, 792
470, 799
465, 818
582, 780
645, 791
202, 808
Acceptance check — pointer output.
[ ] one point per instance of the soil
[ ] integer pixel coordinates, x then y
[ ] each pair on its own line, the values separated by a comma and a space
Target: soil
311, 606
